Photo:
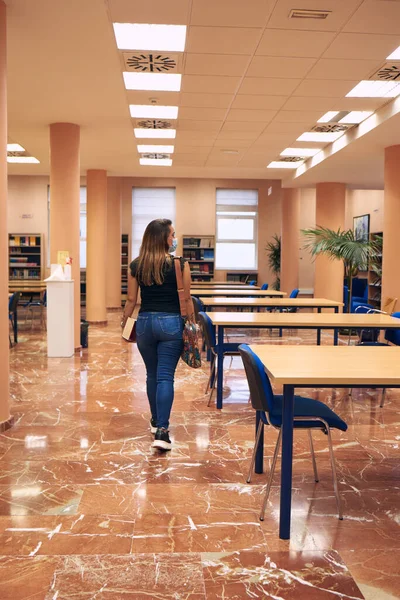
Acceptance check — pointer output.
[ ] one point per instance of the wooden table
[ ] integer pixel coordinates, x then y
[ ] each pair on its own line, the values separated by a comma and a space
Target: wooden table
224, 286
323, 366
280, 303
317, 321
248, 293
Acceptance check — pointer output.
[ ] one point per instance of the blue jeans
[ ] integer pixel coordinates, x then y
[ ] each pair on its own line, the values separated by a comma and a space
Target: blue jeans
159, 339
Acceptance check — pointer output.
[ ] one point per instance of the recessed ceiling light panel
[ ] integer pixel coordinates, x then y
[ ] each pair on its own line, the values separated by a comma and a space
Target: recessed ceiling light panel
302, 152
328, 116
356, 116
149, 111
165, 134
15, 148
155, 148
375, 89
395, 55
158, 82
281, 164
22, 159
156, 162
311, 136
142, 36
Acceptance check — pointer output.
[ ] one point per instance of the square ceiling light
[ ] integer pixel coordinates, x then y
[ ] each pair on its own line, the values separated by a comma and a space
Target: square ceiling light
281, 164
150, 111
158, 82
155, 148
395, 55
356, 116
165, 134
375, 89
312, 136
329, 116
142, 36
302, 152
15, 148
156, 162
22, 159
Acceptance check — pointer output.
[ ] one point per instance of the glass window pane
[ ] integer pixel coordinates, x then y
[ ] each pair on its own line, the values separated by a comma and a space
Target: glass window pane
237, 197
83, 221
235, 229
82, 254
149, 204
236, 256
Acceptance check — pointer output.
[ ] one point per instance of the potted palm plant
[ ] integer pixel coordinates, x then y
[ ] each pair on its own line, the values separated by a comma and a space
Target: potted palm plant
273, 249
342, 245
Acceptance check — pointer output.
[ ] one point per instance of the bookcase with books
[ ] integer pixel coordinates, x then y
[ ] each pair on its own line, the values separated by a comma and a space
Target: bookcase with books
25, 259
375, 274
200, 252
124, 267
242, 277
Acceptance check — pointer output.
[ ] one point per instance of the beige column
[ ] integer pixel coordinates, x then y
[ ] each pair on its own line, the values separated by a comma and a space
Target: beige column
290, 242
330, 212
5, 419
113, 272
65, 204
96, 257
391, 222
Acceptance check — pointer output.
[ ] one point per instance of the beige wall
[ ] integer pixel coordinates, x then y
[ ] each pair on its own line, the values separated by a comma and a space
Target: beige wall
363, 202
307, 220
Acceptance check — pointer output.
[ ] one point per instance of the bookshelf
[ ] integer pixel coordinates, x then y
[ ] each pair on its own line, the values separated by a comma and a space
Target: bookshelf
25, 260
83, 287
200, 252
124, 267
375, 274
242, 277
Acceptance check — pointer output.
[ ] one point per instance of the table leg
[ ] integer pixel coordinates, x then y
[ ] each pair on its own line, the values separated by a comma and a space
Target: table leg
335, 337
258, 468
286, 463
15, 319
280, 330
220, 366
319, 331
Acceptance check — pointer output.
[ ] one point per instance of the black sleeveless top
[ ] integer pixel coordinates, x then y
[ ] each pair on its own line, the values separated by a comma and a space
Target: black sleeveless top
160, 298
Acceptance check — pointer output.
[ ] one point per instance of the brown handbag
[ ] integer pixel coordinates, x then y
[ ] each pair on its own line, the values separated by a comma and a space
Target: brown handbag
129, 332
191, 353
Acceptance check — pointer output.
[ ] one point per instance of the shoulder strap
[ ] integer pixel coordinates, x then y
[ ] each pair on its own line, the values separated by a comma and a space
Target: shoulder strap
181, 289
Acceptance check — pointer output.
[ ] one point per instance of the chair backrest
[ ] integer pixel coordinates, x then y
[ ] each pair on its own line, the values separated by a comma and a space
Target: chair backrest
261, 394
294, 293
360, 287
264, 286
13, 302
198, 307
252, 282
393, 335
208, 329
45, 298
389, 304
345, 297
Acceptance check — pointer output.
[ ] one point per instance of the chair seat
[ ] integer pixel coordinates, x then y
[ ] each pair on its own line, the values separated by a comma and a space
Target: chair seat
229, 347
306, 407
373, 344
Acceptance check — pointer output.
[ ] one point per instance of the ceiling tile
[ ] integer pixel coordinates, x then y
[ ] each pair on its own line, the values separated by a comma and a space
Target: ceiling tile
211, 83
222, 40
324, 88
305, 103
329, 68
292, 68
232, 136
362, 46
286, 42
268, 86
173, 12
227, 139
271, 138
260, 116
294, 129
215, 64
258, 162
375, 17
181, 148
197, 138
144, 97
202, 114
248, 127
340, 13
188, 161
230, 13
297, 116
192, 125
206, 100
259, 102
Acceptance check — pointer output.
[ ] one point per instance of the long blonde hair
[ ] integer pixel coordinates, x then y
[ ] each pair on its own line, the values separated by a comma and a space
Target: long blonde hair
153, 251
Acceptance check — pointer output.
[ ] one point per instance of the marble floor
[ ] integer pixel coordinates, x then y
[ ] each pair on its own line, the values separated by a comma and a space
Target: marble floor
89, 511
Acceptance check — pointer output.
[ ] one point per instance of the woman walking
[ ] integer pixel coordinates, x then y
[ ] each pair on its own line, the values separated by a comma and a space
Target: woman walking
159, 325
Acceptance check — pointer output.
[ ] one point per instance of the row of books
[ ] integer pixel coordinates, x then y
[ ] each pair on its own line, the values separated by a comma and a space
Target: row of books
199, 254
198, 242
198, 268
24, 240
20, 276
24, 274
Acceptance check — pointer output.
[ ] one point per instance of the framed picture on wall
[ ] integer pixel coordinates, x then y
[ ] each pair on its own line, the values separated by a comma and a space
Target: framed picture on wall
361, 227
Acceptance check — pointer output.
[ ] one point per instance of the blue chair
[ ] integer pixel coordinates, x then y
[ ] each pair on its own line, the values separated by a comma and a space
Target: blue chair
229, 349
12, 311
308, 414
294, 293
198, 307
40, 305
252, 282
264, 286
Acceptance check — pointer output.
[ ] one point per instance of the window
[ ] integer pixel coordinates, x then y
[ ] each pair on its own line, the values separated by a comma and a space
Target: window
149, 204
236, 244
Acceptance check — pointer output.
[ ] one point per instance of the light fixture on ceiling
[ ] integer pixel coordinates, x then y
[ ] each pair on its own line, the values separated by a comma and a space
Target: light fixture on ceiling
304, 13
302, 152
395, 55
281, 164
143, 36
311, 136
229, 151
15, 148
147, 111
328, 116
22, 159
356, 116
156, 162
158, 82
375, 89
165, 134
155, 148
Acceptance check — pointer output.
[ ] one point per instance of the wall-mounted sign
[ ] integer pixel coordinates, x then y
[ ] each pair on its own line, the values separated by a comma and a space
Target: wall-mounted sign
27, 216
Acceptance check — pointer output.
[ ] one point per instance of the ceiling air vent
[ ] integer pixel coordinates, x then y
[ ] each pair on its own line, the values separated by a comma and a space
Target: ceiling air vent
328, 128
388, 72
156, 156
291, 159
301, 13
17, 153
154, 124
154, 62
